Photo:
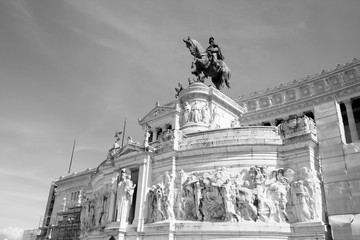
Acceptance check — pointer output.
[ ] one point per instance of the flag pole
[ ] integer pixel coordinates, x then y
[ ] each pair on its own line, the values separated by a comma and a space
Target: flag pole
72, 154
122, 142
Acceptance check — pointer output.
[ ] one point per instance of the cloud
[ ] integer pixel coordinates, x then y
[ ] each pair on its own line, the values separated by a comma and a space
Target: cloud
11, 233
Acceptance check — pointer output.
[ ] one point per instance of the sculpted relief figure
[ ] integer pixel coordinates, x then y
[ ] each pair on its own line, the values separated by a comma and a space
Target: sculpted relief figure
161, 199
156, 212
312, 183
304, 203
92, 214
196, 113
187, 112
228, 195
104, 205
205, 112
98, 209
84, 215
277, 191
301, 199
216, 118
169, 195
256, 194
180, 195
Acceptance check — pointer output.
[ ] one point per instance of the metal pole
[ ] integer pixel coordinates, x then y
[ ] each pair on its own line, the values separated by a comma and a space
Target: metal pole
122, 143
72, 154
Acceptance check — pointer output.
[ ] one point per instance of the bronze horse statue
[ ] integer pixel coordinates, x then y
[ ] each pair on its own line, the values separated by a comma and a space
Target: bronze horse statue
219, 72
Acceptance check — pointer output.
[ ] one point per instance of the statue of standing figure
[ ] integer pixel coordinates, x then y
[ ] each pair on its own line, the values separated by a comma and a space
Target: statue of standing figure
124, 193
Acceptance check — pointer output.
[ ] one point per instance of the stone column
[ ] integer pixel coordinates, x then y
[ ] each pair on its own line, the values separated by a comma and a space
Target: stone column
144, 183
351, 120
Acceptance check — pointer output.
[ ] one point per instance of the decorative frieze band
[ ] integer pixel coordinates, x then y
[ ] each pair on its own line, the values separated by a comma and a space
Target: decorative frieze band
302, 93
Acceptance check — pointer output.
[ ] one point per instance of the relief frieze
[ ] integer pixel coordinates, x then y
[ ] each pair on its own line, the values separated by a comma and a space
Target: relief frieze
256, 194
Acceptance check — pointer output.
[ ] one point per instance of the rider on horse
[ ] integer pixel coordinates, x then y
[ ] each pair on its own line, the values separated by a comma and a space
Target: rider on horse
214, 53
210, 62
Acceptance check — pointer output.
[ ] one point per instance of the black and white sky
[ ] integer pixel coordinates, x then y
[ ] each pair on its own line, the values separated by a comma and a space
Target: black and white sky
75, 69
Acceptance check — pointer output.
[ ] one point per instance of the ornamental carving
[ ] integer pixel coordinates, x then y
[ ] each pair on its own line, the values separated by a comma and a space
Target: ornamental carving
264, 102
350, 75
277, 98
297, 126
305, 91
319, 86
167, 135
334, 81
290, 95
257, 194
251, 105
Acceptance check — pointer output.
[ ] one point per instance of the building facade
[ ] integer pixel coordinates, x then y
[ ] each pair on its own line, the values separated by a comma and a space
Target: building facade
276, 164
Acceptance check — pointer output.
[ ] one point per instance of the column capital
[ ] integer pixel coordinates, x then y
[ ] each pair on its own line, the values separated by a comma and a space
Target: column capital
347, 101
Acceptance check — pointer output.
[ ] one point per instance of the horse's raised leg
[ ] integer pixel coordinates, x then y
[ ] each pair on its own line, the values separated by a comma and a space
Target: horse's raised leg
225, 76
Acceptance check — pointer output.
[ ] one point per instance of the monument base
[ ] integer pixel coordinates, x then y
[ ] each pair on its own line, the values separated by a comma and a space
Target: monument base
192, 230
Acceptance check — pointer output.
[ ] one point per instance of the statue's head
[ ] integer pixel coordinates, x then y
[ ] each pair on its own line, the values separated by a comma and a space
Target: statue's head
211, 39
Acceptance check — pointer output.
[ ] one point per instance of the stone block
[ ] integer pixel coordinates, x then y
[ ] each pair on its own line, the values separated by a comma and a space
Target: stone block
330, 130
330, 142
355, 226
341, 226
355, 195
330, 151
334, 172
353, 166
330, 160
330, 119
324, 110
308, 230
338, 198
352, 148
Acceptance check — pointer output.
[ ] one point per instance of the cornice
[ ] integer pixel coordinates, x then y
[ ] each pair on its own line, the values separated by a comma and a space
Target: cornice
74, 181
301, 104
339, 84
297, 83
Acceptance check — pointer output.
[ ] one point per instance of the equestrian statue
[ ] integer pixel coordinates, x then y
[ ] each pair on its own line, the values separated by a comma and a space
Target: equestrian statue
210, 63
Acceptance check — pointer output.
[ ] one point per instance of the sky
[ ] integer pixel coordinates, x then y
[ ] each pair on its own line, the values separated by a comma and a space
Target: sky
76, 69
